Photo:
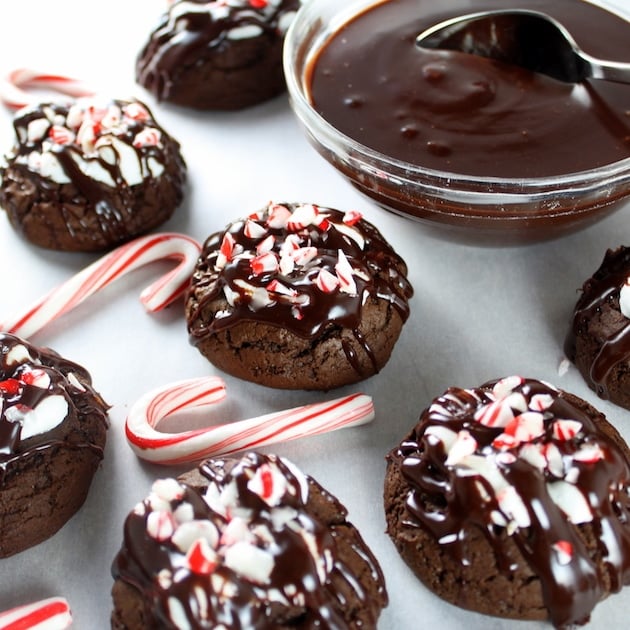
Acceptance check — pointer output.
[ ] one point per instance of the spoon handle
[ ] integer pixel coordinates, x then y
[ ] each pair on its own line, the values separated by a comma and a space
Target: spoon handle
607, 70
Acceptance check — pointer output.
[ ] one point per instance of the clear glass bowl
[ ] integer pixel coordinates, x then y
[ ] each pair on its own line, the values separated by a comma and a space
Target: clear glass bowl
482, 210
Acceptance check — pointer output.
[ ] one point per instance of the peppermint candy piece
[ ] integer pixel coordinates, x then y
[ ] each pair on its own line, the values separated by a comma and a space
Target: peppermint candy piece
564, 551
624, 298
48, 614
49, 413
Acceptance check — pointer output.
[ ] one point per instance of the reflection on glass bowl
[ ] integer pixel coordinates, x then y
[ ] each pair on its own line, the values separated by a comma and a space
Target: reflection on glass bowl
473, 209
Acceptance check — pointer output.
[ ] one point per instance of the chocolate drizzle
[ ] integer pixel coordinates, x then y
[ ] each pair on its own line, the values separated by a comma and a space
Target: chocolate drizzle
94, 173
601, 293
22, 366
193, 31
295, 299
518, 491
307, 583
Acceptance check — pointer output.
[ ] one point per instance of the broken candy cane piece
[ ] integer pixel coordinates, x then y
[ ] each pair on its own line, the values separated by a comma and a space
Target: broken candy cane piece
47, 614
176, 448
104, 271
14, 87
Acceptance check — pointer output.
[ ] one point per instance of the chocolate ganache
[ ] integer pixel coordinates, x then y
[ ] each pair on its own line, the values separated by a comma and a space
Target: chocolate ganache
43, 399
240, 548
461, 113
518, 457
194, 33
91, 173
300, 267
599, 314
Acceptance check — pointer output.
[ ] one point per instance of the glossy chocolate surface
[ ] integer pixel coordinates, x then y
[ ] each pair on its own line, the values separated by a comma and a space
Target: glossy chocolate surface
192, 32
92, 172
518, 457
602, 291
464, 114
306, 248
258, 502
30, 378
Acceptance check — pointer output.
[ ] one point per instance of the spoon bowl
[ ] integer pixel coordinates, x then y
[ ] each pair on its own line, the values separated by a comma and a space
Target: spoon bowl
530, 39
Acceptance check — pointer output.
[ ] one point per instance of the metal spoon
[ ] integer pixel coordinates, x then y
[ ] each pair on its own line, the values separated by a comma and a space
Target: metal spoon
524, 38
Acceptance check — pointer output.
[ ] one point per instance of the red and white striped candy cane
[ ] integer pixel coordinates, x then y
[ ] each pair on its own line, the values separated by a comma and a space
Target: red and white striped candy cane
14, 87
177, 448
110, 267
48, 614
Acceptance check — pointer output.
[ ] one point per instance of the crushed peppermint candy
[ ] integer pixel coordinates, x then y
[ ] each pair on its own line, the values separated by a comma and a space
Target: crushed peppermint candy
95, 136
301, 263
244, 541
39, 391
29, 381
520, 455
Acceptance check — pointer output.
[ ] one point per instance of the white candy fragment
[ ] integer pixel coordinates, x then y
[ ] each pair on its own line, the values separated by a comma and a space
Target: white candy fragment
37, 129
168, 489
571, 501
249, 561
49, 413
17, 355
187, 533
269, 484
624, 298
160, 525
464, 445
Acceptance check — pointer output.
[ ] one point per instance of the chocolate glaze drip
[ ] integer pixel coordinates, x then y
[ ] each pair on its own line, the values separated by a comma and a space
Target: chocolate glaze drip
112, 204
449, 501
294, 574
602, 290
190, 33
461, 113
81, 398
381, 275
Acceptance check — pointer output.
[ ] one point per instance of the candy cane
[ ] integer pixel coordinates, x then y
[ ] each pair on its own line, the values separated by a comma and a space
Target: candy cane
177, 448
104, 271
14, 95
47, 614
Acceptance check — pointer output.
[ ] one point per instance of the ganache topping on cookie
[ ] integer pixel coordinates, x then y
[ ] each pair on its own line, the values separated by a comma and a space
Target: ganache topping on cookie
237, 553
91, 143
516, 456
89, 174
298, 266
608, 288
40, 392
192, 28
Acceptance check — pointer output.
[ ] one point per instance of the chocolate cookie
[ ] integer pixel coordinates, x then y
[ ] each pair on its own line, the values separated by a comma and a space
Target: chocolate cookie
52, 434
222, 55
598, 341
244, 543
511, 499
90, 175
298, 297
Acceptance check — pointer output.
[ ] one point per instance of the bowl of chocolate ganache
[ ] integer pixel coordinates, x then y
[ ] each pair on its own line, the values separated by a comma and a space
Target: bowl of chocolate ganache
474, 149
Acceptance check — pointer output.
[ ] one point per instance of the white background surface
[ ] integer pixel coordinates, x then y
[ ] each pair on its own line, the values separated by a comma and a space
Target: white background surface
477, 314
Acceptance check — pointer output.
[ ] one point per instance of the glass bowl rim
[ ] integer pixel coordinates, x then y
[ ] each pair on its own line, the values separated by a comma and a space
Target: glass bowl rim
451, 185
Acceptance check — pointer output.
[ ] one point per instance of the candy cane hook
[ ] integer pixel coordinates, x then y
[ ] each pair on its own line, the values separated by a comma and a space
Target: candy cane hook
177, 448
106, 270
14, 87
